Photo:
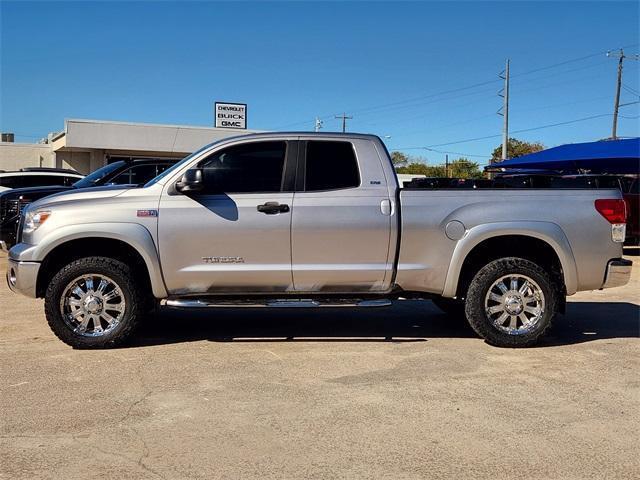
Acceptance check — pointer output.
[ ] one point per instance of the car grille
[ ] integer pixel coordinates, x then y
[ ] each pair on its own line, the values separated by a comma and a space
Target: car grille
12, 207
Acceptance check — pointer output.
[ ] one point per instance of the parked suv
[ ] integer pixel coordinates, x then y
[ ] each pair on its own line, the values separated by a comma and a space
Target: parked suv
35, 177
132, 172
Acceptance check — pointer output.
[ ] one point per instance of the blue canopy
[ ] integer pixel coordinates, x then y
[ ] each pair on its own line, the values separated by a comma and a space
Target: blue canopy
606, 156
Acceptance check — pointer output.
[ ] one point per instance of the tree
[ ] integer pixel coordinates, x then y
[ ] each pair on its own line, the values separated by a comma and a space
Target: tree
463, 168
516, 148
399, 159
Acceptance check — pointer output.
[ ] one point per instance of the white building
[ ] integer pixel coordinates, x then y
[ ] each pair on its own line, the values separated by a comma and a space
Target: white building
86, 145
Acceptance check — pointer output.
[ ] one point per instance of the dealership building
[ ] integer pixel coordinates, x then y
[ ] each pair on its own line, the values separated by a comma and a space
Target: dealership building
86, 145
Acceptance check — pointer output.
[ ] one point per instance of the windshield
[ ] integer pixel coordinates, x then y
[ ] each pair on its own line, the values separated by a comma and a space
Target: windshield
96, 177
176, 166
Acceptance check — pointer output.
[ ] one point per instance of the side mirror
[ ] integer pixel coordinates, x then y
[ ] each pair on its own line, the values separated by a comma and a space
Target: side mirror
191, 181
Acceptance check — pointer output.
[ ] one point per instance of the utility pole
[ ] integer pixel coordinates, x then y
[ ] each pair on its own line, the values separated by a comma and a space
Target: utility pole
446, 165
344, 121
318, 124
504, 111
616, 103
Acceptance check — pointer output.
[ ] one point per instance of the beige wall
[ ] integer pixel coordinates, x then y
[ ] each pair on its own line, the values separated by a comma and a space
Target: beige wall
14, 156
78, 161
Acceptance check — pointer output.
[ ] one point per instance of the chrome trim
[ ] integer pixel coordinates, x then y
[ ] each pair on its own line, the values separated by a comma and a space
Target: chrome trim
92, 305
514, 304
24, 277
618, 273
275, 303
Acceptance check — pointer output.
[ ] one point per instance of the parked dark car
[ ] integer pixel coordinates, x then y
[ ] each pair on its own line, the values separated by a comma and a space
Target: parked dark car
631, 194
131, 172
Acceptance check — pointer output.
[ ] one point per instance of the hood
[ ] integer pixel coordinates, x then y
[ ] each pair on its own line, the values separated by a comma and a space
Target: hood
37, 192
80, 194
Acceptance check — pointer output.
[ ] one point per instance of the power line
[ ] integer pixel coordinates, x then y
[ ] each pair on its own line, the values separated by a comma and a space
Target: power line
616, 103
571, 61
521, 131
443, 151
459, 89
344, 118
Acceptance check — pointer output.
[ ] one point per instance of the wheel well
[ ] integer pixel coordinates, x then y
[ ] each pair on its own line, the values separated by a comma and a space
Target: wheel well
522, 246
88, 247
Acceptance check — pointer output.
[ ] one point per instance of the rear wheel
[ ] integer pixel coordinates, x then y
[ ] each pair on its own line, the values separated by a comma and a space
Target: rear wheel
94, 302
511, 302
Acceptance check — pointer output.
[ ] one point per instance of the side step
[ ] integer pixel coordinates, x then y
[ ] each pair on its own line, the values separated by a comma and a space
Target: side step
276, 303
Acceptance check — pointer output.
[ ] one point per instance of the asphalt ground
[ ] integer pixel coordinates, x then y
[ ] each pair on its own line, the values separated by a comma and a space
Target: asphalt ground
398, 392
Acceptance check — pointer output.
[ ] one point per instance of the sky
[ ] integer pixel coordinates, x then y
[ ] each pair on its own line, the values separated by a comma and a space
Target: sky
421, 74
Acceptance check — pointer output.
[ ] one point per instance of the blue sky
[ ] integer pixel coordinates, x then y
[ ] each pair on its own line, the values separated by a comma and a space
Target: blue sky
385, 63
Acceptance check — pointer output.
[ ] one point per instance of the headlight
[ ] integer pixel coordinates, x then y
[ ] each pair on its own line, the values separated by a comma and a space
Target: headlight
33, 219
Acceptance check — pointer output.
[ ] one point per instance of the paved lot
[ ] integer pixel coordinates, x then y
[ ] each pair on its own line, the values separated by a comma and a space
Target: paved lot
391, 393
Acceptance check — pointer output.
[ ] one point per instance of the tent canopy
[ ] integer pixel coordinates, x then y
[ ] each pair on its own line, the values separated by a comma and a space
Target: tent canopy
606, 156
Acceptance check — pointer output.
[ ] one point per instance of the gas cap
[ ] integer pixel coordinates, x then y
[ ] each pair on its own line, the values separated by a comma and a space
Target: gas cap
454, 230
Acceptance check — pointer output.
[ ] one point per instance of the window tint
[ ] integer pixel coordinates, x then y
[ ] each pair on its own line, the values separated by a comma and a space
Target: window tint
10, 182
330, 166
42, 180
68, 181
138, 174
252, 167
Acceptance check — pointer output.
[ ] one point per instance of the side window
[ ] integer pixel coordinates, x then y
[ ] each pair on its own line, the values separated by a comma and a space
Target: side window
10, 182
68, 181
330, 166
250, 168
136, 175
41, 180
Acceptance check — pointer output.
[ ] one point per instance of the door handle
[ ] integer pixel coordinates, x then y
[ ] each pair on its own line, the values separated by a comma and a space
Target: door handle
271, 208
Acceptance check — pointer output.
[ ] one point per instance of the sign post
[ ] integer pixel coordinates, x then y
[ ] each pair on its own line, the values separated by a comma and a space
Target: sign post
231, 115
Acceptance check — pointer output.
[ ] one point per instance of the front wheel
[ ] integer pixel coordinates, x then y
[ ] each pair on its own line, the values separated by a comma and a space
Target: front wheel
511, 302
94, 302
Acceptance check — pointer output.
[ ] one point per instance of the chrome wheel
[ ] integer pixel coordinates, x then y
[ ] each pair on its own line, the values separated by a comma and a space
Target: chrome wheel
514, 304
92, 305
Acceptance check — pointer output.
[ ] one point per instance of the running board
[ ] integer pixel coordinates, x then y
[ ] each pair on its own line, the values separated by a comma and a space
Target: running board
281, 303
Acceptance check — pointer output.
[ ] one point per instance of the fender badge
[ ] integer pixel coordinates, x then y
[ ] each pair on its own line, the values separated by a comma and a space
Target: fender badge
147, 213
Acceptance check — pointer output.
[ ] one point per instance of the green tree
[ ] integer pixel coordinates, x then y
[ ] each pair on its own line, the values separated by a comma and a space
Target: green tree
417, 168
464, 168
516, 148
399, 159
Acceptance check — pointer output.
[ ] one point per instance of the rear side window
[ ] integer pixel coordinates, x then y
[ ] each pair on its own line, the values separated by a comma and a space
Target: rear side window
330, 166
42, 180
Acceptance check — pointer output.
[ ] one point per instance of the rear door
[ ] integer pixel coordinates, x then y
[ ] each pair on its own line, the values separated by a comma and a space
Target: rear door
342, 219
235, 235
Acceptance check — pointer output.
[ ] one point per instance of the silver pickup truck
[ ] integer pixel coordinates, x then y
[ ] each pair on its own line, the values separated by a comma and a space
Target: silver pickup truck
312, 220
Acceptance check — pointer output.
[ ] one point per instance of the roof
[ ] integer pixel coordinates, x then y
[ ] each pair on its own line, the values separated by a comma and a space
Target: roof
128, 136
605, 156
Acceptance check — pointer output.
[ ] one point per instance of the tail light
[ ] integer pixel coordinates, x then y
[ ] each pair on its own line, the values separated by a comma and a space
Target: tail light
615, 211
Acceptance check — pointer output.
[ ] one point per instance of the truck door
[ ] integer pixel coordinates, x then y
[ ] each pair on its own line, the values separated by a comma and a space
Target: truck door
235, 235
342, 219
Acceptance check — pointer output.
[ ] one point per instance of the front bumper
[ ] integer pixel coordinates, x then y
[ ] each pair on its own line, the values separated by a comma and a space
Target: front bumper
22, 277
618, 273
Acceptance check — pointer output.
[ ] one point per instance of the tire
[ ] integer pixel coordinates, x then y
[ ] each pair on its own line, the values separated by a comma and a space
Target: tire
76, 296
450, 306
535, 296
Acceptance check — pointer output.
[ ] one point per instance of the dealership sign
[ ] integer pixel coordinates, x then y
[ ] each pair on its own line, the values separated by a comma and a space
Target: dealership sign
231, 115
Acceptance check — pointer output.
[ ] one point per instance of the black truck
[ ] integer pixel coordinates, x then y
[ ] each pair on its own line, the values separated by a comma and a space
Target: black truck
123, 172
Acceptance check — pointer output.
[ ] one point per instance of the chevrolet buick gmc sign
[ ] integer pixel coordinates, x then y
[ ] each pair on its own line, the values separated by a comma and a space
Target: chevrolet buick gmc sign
231, 115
